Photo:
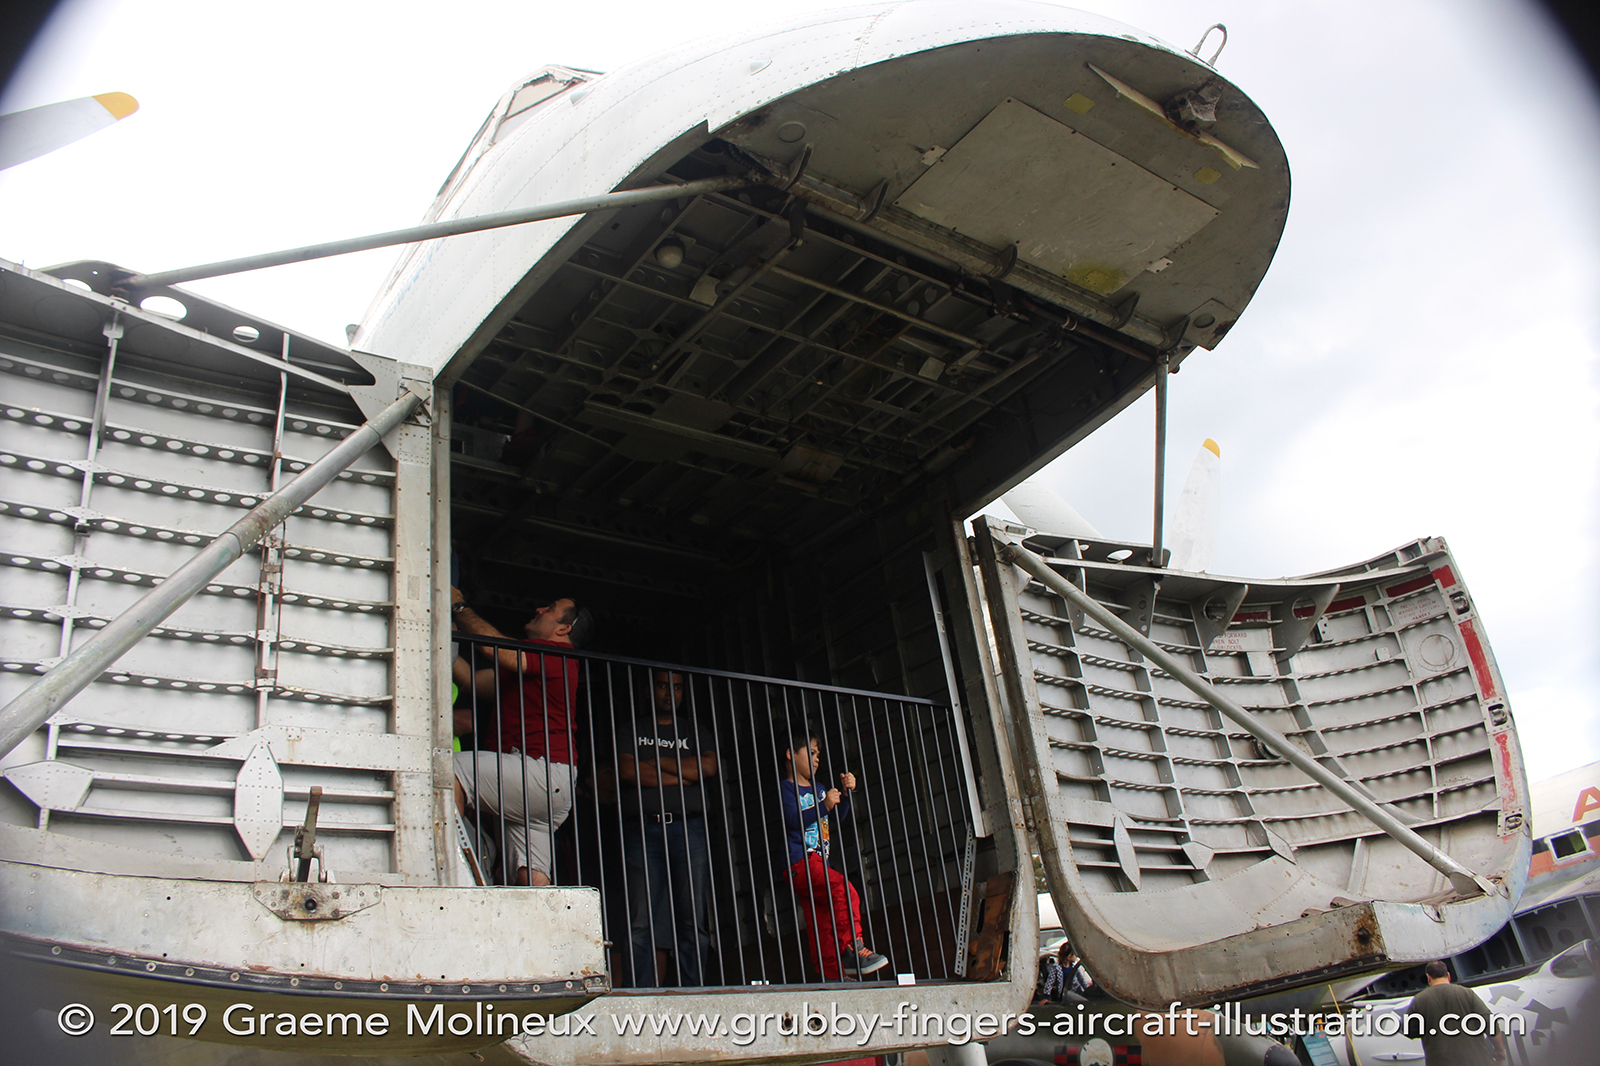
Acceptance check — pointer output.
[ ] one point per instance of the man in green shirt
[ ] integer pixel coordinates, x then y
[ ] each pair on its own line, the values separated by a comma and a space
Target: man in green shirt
1443, 1008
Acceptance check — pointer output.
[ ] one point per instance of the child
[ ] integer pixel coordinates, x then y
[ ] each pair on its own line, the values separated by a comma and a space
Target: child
831, 901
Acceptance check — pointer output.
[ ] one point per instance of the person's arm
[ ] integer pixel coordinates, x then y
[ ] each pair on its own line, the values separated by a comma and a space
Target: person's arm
1497, 1039
789, 796
690, 770
483, 682
847, 785
644, 772
461, 717
467, 620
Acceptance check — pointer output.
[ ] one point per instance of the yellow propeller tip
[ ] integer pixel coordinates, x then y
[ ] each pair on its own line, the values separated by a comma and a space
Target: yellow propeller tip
1211, 446
121, 105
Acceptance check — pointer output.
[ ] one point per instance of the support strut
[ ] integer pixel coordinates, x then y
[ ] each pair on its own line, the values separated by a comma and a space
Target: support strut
604, 202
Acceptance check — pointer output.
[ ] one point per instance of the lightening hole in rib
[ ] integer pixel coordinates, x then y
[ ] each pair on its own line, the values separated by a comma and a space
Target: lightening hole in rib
165, 306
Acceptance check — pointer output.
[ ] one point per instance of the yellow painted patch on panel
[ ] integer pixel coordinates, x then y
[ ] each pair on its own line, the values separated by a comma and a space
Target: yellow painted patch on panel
1205, 175
120, 105
1211, 446
1079, 103
1098, 279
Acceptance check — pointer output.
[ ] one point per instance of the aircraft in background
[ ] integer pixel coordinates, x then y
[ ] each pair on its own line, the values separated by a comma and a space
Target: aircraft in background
1566, 840
1544, 963
1194, 520
38, 131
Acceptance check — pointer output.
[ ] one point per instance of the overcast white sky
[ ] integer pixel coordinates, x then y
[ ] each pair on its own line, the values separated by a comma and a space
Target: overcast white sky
1421, 359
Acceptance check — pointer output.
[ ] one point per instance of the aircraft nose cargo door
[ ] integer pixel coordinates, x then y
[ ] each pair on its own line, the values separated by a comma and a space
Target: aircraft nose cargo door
1188, 859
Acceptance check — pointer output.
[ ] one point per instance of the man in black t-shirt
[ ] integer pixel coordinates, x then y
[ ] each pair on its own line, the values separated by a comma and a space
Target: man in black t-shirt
664, 765
1443, 1006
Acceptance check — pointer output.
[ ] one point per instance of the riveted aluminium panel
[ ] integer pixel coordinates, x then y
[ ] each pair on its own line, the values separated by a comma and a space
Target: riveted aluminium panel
205, 739
1190, 860
1068, 204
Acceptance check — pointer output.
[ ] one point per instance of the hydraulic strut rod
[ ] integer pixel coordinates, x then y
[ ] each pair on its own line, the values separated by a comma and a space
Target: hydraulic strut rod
604, 202
34, 706
1465, 882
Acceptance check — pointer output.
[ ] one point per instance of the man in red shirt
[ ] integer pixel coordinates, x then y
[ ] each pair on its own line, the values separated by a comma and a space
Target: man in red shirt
522, 772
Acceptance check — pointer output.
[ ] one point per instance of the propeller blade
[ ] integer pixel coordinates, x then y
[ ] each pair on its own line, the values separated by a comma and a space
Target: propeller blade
1199, 511
26, 135
1039, 507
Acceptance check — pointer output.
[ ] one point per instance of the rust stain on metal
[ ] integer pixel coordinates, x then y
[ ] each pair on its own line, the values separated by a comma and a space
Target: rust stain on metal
1368, 941
988, 952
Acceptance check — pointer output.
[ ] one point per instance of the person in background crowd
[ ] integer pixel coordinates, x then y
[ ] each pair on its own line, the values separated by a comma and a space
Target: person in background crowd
1048, 987
524, 777
1439, 999
664, 769
1076, 984
834, 908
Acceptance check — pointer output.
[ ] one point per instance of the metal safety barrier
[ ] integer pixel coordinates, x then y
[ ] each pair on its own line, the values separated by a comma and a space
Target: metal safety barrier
659, 784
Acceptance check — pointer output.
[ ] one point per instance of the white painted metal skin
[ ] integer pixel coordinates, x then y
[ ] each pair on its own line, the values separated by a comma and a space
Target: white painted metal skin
599, 133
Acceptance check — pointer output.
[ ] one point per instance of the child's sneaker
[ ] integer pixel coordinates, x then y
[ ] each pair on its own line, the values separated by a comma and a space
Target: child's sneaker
863, 960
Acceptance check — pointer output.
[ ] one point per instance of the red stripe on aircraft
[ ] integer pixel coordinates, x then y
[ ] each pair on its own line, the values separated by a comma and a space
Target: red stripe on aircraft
1409, 586
1480, 659
1508, 770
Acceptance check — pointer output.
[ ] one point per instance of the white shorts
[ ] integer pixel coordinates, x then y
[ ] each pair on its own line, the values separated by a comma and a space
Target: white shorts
494, 783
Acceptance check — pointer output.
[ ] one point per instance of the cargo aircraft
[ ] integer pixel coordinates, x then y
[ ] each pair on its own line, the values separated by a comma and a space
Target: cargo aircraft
725, 343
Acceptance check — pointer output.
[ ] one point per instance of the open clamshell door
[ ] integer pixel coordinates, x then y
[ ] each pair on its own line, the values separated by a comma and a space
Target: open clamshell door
1191, 863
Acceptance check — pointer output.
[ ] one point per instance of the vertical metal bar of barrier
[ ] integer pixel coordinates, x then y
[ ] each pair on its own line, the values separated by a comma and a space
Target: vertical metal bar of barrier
861, 808
644, 856
470, 650
749, 859
548, 760
919, 783
769, 783
762, 781
522, 766
823, 812
879, 942
575, 767
599, 835
856, 800
894, 851
666, 837
714, 918
946, 717
809, 915
683, 804
506, 876
617, 735
903, 838
811, 918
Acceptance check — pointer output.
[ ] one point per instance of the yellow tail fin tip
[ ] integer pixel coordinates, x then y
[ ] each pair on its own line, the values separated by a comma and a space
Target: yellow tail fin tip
121, 105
